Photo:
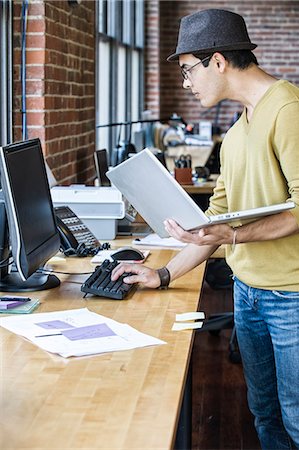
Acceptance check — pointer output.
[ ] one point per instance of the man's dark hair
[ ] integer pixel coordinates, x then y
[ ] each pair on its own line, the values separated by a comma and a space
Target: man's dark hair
239, 59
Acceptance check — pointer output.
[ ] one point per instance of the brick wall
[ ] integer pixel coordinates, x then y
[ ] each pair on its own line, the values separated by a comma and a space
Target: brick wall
272, 24
60, 85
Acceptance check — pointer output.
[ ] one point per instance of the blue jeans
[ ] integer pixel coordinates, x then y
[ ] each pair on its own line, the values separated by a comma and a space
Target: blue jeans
267, 325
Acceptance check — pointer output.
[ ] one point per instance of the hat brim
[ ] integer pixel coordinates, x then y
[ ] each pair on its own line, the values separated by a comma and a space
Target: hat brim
237, 46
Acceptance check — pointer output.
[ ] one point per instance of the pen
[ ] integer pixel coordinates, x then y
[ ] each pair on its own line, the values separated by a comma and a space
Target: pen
48, 335
15, 299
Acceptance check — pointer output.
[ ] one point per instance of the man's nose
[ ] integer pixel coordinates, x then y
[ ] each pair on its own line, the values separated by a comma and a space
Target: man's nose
186, 83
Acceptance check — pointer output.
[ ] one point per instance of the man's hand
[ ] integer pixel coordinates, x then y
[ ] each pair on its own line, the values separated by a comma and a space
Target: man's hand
211, 235
142, 274
268, 228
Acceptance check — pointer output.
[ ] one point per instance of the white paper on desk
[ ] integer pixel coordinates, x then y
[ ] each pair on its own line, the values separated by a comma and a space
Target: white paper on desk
180, 326
48, 327
155, 241
197, 315
101, 256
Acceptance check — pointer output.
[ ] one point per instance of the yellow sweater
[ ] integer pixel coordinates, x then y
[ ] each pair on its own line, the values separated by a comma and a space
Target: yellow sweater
260, 166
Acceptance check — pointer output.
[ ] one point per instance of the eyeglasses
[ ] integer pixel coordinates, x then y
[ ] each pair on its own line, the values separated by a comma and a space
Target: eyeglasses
186, 72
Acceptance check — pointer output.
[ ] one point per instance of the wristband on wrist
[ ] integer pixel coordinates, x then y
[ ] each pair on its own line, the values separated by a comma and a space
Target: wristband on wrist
234, 240
164, 276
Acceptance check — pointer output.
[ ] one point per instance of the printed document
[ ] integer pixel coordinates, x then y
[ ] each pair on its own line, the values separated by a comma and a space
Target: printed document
77, 332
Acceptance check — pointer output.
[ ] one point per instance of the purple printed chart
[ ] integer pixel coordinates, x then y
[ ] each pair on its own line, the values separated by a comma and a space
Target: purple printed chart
55, 325
90, 332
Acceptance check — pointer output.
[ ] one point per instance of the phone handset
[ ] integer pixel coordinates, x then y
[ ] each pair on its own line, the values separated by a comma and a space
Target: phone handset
67, 239
75, 237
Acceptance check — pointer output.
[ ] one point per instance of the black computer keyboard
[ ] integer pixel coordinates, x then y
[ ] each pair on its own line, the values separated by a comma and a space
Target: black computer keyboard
99, 283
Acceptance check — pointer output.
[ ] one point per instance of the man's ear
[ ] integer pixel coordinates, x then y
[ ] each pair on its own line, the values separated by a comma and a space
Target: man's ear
219, 61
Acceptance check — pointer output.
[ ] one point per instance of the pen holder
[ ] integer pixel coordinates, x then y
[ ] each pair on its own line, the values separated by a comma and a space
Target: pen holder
183, 175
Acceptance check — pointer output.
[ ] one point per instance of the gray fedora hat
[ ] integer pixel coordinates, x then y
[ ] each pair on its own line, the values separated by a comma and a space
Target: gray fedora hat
212, 30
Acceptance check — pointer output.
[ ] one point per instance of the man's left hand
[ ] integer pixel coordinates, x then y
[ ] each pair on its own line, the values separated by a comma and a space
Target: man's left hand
211, 235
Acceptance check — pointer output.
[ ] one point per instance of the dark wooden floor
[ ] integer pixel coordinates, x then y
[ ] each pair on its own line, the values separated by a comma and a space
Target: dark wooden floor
220, 416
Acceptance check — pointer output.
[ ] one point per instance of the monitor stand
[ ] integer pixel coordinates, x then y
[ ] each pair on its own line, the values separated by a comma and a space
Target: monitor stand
37, 282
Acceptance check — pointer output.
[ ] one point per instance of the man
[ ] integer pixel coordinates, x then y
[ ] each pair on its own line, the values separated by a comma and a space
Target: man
259, 166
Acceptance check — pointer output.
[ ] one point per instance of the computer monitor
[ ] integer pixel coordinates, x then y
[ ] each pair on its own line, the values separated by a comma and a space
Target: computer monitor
213, 162
161, 157
101, 164
30, 220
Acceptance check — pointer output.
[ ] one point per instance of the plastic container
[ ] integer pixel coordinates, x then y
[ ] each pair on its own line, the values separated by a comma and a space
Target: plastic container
98, 207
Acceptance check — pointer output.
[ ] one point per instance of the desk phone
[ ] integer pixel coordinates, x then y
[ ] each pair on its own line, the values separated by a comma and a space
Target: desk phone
73, 232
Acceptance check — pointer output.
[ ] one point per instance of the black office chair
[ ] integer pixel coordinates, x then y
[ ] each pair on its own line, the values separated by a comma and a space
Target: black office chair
219, 276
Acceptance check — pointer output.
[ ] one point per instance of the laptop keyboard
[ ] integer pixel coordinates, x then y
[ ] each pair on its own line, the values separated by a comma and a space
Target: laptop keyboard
99, 282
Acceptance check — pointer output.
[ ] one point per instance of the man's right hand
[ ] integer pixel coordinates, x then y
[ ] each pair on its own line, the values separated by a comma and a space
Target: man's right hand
142, 274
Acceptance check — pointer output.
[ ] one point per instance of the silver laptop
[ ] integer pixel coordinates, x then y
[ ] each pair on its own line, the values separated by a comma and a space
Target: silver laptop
157, 196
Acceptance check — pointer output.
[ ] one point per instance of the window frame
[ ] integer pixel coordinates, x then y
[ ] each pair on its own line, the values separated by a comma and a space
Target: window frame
120, 26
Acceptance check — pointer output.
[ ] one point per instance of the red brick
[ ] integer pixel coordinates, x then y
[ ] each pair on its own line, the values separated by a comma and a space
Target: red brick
35, 103
35, 118
35, 56
36, 25
35, 41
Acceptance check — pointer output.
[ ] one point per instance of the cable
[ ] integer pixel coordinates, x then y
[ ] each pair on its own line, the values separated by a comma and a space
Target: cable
41, 270
5, 262
25, 4
81, 251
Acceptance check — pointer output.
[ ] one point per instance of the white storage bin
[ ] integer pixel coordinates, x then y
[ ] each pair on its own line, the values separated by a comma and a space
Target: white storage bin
103, 229
98, 207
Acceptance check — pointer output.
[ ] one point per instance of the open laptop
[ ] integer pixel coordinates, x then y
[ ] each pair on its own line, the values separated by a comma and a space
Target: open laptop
157, 196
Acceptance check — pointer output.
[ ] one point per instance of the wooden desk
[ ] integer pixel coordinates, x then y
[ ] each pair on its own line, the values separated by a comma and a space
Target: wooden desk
116, 401
206, 187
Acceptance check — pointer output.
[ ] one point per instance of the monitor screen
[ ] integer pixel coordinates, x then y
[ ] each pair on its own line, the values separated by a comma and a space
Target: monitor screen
32, 227
101, 164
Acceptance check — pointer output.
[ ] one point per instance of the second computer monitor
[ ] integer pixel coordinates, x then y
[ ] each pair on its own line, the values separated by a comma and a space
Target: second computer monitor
101, 164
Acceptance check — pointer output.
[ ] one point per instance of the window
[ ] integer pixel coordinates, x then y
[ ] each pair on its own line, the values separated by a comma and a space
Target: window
6, 72
119, 60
